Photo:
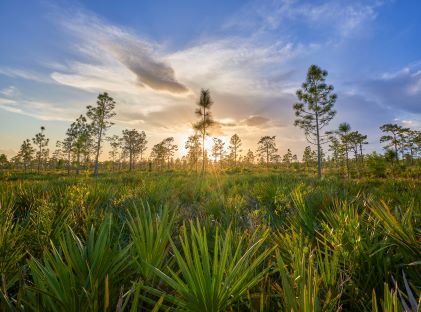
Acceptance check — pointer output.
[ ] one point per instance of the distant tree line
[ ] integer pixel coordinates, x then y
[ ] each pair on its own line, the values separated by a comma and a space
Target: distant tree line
84, 140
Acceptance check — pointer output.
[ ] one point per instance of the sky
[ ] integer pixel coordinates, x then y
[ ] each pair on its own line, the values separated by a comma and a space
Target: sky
153, 58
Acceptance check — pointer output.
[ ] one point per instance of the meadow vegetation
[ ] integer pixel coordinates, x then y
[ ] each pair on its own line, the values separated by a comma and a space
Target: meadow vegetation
251, 239
214, 230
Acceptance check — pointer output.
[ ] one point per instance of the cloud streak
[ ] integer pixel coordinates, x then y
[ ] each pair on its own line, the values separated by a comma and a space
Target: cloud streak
110, 47
252, 70
400, 90
338, 16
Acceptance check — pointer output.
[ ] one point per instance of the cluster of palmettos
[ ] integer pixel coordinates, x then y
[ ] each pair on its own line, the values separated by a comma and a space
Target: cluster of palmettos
314, 111
237, 240
240, 242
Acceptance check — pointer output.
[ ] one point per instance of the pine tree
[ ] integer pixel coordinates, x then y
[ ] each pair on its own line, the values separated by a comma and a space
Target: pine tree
26, 153
205, 121
314, 110
267, 148
41, 141
100, 116
235, 144
194, 148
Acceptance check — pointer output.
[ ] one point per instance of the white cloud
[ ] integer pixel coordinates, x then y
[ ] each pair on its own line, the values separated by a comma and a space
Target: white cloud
400, 90
235, 65
113, 53
337, 16
10, 91
37, 109
250, 74
23, 74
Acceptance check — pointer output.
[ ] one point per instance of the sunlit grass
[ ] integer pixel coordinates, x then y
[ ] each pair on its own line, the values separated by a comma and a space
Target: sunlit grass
227, 241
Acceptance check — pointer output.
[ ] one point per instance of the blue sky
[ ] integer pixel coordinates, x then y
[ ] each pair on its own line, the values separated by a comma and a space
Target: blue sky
154, 56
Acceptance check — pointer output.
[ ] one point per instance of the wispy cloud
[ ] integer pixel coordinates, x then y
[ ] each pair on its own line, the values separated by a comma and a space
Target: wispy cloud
10, 91
157, 88
37, 109
400, 91
252, 69
113, 53
340, 17
24, 74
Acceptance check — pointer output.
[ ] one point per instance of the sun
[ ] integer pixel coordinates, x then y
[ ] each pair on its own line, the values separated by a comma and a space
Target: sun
209, 143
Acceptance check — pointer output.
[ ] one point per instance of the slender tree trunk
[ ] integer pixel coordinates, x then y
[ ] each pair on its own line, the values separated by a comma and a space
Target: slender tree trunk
98, 147
203, 139
77, 162
403, 151
141, 161
68, 163
412, 155
396, 149
39, 159
130, 161
319, 160
347, 160
267, 157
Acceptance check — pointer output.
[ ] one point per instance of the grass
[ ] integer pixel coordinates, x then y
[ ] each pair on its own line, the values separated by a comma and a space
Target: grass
235, 241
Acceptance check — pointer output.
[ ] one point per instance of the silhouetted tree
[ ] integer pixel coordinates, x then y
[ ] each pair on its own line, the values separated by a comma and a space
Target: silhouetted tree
194, 148
308, 156
100, 116
169, 148
217, 149
417, 143
205, 121
26, 153
79, 135
4, 163
164, 151
335, 147
267, 148
66, 147
391, 139
287, 158
115, 143
158, 154
40, 141
249, 158
344, 131
142, 144
357, 140
133, 142
315, 109
235, 144
413, 143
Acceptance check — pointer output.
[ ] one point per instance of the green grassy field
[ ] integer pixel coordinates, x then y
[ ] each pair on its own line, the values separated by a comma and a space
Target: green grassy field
239, 241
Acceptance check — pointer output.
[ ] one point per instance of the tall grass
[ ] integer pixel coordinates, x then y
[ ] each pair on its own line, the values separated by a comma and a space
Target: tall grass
227, 242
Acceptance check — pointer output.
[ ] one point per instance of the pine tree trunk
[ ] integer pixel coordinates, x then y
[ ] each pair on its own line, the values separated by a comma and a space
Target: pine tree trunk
203, 152
267, 157
319, 161
68, 163
77, 162
39, 159
347, 161
97, 153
